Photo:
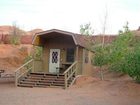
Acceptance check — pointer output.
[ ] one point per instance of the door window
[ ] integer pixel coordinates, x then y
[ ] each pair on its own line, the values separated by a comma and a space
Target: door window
54, 57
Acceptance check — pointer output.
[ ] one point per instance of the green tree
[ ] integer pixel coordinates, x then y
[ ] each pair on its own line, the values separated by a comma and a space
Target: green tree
124, 54
114, 55
132, 63
120, 48
86, 29
15, 34
101, 58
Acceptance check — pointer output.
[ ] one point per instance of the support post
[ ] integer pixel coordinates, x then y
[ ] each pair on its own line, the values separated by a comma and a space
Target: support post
77, 50
16, 79
33, 69
77, 59
66, 82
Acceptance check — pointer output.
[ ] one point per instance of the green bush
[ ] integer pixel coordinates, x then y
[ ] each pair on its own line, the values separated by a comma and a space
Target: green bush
132, 64
101, 56
123, 55
15, 40
126, 56
37, 54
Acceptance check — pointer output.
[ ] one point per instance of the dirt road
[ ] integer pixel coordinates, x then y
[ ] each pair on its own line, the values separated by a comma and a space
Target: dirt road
95, 92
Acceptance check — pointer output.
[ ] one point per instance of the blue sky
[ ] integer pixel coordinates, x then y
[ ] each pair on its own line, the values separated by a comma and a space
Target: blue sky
69, 14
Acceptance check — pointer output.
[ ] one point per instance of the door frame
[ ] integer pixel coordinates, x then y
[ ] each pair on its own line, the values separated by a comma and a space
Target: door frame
53, 66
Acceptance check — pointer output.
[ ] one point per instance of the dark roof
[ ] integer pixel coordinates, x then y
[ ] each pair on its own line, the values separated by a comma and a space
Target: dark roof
136, 32
81, 40
84, 40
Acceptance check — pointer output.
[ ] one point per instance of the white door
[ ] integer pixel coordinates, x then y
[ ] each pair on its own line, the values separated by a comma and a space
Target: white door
54, 60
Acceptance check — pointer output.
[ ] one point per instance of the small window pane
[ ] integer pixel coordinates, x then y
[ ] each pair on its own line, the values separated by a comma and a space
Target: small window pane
70, 55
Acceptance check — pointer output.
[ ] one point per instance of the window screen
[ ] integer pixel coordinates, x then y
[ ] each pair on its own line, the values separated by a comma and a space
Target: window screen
70, 55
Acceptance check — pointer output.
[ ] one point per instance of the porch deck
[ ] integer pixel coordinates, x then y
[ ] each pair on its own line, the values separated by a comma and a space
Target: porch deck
25, 77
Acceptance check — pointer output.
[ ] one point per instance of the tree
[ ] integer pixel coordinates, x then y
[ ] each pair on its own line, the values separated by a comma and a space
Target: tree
15, 34
100, 58
132, 63
125, 56
101, 50
114, 53
86, 29
120, 48
104, 25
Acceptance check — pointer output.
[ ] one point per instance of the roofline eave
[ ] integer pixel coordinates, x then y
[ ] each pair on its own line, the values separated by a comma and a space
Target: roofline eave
57, 31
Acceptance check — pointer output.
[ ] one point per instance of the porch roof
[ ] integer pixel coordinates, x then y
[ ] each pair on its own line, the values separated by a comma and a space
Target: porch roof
77, 38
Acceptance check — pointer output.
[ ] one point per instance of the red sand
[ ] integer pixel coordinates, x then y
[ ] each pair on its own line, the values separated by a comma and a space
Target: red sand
114, 90
95, 92
12, 56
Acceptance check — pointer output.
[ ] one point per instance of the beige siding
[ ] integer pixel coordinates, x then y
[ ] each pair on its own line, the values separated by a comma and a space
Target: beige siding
38, 66
87, 67
80, 59
56, 44
60, 43
46, 59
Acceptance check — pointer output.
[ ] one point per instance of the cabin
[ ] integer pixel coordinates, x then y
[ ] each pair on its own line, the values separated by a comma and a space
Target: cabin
60, 50
65, 55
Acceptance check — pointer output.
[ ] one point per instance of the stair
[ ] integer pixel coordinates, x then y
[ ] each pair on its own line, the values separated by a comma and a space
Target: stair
42, 80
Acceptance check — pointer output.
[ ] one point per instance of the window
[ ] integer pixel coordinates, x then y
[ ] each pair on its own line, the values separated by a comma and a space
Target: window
70, 55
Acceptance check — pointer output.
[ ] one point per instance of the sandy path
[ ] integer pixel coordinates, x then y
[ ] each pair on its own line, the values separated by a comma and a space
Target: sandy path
94, 93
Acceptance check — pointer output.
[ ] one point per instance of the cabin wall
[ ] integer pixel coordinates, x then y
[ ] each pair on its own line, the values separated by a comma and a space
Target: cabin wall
38, 66
83, 68
62, 43
80, 61
88, 68
55, 44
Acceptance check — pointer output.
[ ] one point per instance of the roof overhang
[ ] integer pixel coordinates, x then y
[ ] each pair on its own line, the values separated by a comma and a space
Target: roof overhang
37, 36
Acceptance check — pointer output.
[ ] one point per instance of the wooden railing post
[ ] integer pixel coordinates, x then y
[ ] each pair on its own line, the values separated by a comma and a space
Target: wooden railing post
33, 58
69, 73
66, 82
15, 79
22, 70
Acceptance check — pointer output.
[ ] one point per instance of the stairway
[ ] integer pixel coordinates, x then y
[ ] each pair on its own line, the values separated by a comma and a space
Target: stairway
42, 80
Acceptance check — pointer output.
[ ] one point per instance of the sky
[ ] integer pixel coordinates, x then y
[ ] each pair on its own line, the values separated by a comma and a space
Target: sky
68, 15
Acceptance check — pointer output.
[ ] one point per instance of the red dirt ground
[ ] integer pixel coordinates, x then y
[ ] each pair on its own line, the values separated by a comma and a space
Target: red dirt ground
116, 89
12, 56
90, 92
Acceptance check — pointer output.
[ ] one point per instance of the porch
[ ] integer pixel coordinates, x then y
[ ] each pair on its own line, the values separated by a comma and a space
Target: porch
25, 77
